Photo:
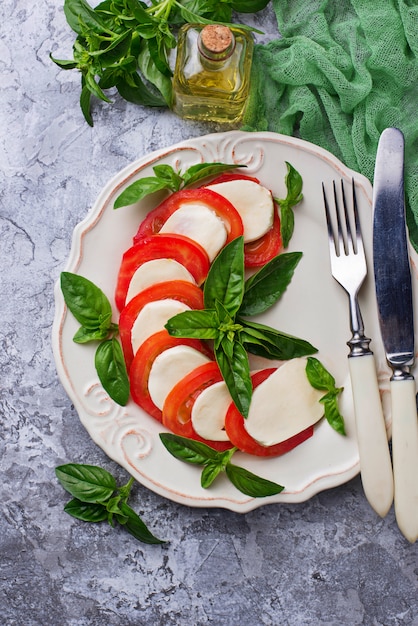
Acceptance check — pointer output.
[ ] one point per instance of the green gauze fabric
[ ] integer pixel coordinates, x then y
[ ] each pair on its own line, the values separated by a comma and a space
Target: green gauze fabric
339, 74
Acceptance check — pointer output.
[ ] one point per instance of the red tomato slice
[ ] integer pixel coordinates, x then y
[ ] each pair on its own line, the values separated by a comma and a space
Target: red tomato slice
225, 178
142, 363
262, 250
155, 219
177, 247
175, 289
179, 403
234, 426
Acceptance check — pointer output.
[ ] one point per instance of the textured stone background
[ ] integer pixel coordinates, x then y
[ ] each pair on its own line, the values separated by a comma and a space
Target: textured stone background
329, 561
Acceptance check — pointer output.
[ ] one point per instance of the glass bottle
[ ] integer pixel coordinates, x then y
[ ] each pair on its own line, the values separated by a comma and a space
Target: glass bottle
212, 72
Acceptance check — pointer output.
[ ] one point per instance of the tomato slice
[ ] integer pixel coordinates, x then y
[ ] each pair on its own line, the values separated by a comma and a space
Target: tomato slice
179, 403
155, 219
234, 426
177, 247
175, 289
225, 178
262, 250
142, 363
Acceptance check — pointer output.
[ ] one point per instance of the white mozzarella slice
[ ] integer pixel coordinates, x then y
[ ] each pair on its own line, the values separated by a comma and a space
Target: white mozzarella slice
209, 410
157, 271
253, 202
283, 405
152, 318
198, 222
169, 368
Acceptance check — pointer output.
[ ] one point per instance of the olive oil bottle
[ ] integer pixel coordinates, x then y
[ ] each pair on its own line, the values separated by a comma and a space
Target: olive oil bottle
212, 73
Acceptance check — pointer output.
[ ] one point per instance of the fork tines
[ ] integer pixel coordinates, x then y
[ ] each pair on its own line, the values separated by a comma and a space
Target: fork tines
345, 233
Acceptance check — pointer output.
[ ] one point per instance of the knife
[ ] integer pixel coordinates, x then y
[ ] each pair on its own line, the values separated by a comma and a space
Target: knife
395, 306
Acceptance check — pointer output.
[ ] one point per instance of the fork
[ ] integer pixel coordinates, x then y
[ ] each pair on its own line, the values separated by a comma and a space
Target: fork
349, 269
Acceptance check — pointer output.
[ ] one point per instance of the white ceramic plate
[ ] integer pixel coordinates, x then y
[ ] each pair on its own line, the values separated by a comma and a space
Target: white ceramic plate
314, 308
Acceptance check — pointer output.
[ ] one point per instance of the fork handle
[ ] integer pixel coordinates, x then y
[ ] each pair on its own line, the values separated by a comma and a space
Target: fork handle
375, 462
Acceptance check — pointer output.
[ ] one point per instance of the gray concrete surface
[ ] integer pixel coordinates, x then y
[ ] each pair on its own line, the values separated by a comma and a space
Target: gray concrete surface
327, 562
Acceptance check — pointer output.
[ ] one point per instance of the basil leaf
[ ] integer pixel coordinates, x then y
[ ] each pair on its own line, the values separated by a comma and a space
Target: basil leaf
194, 324
79, 14
294, 196
139, 190
85, 335
87, 483
267, 285
211, 470
111, 370
250, 484
196, 173
332, 412
232, 360
85, 300
86, 511
151, 73
85, 98
188, 450
249, 6
225, 279
133, 89
318, 375
167, 173
273, 344
135, 526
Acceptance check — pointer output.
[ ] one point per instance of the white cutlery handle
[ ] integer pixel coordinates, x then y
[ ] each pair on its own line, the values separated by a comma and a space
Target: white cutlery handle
405, 456
375, 462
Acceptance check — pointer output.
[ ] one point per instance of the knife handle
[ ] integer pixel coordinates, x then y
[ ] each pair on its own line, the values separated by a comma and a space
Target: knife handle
405, 456
372, 439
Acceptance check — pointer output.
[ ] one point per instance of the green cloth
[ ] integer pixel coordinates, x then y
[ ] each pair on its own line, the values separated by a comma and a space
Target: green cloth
341, 72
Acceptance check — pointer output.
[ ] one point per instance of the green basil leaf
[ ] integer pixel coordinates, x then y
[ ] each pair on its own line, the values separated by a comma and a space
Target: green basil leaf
111, 370
85, 103
135, 526
197, 173
169, 175
78, 14
63, 64
273, 344
332, 412
294, 196
318, 375
225, 279
151, 73
195, 324
94, 86
87, 483
287, 223
87, 302
139, 190
294, 185
86, 511
232, 360
211, 470
85, 335
132, 88
267, 285
188, 450
250, 484
249, 6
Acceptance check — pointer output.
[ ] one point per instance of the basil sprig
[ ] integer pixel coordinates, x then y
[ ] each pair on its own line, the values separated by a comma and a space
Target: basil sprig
92, 309
227, 298
166, 177
97, 498
125, 44
214, 463
322, 380
294, 196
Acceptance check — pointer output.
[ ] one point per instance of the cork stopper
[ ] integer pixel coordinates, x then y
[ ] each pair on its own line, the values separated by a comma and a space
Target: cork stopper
216, 42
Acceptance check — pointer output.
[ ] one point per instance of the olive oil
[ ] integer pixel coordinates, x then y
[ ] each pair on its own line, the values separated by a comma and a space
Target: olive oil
212, 73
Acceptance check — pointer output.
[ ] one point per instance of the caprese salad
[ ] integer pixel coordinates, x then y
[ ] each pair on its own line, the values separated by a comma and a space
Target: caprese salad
184, 297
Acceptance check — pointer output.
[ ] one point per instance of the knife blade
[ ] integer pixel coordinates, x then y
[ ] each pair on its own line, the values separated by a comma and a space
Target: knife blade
395, 308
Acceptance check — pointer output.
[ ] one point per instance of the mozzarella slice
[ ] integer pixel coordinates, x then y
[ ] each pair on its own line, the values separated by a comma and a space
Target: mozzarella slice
253, 202
198, 222
157, 271
283, 405
169, 368
209, 410
152, 318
